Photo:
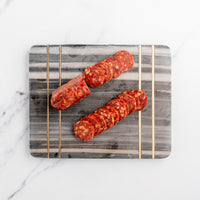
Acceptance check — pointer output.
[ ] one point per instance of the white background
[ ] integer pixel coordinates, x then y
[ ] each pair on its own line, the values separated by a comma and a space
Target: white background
25, 23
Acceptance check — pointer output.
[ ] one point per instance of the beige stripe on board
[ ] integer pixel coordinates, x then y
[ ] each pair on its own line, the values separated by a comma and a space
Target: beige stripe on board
60, 58
139, 113
71, 150
114, 151
124, 76
153, 101
47, 76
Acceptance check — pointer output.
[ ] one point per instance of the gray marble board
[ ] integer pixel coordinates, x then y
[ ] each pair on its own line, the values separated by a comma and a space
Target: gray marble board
145, 134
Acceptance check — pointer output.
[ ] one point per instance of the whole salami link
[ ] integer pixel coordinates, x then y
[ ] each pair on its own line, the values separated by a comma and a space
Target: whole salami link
70, 93
116, 110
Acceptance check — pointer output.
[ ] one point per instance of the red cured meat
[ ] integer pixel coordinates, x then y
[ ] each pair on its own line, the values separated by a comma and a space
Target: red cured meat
94, 76
84, 130
102, 121
141, 99
114, 111
126, 59
121, 106
70, 93
94, 121
108, 116
130, 100
116, 64
107, 69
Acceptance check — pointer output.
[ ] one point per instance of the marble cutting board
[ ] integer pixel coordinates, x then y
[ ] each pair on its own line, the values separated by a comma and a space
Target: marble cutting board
145, 134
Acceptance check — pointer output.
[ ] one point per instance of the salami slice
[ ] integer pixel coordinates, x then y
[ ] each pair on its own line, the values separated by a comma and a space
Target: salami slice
94, 121
130, 100
102, 121
115, 112
84, 130
141, 99
116, 64
121, 106
107, 69
126, 58
70, 93
94, 76
108, 116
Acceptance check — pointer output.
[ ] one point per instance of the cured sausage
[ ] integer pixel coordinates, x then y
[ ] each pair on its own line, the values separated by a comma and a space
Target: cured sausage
130, 100
107, 69
70, 93
121, 106
111, 67
114, 111
116, 64
94, 121
126, 59
108, 116
94, 76
102, 121
84, 130
141, 99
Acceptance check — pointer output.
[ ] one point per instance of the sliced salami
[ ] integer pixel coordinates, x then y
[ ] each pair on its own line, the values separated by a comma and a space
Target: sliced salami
126, 59
121, 106
141, 99
107, 69
102, 121
114, 111
84, 130
94, 121
116, 65
94, 76
108, 116
70, 93
130, 100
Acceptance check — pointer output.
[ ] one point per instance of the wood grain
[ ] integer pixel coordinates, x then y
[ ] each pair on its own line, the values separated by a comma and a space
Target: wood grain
121, 141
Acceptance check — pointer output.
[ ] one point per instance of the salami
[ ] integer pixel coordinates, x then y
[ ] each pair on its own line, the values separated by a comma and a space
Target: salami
84, 130
102, 121
94, 121
116, 64
94, 76
70, 93
107, 69
126, 59
141, 99
108, 116
130, 100
121, 106
115, 112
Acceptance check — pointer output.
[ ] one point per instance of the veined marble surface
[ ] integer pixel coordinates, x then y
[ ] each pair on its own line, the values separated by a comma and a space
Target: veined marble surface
25, 23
